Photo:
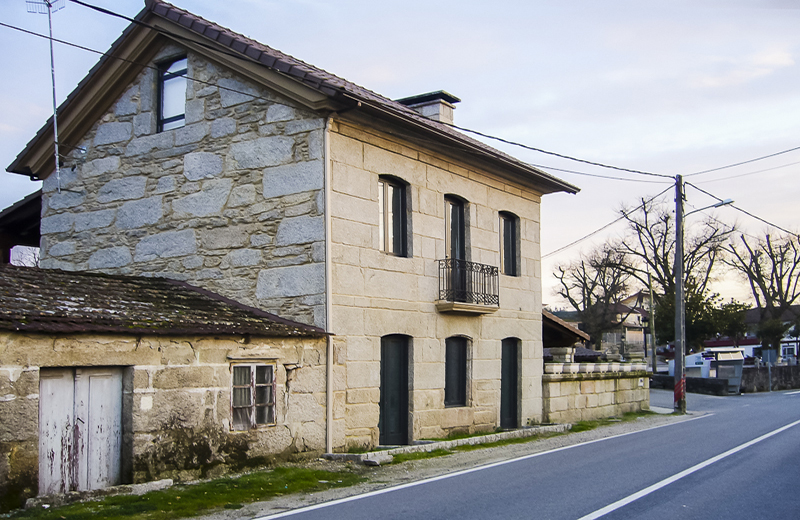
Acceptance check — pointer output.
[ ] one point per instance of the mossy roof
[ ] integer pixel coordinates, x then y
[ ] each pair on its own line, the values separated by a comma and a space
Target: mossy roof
49, 300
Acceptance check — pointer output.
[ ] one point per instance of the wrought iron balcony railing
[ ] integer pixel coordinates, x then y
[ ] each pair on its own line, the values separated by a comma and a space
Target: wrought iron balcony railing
468, 282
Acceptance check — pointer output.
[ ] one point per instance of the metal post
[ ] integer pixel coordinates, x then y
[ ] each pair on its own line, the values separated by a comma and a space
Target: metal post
55, 104
652, 325
680, 309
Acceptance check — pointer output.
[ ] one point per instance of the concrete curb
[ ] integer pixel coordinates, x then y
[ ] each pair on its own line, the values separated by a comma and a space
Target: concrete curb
378, 457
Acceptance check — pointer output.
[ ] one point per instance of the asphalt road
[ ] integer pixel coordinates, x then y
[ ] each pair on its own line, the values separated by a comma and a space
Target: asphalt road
738, 457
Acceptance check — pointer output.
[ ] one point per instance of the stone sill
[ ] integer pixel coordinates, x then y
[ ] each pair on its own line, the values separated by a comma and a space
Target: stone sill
465, 308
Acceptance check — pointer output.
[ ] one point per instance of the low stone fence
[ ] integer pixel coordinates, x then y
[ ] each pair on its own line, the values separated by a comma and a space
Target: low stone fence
585, 391
694, 385
783, 378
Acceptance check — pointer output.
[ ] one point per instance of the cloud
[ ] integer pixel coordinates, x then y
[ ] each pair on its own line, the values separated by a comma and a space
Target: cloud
749, 68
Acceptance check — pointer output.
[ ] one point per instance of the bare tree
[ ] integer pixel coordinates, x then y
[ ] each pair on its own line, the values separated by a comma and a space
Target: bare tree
594, 286
25, 256
772, 269
650, 244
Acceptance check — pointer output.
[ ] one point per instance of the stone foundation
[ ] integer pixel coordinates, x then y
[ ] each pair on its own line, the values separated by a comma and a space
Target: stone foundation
176, 403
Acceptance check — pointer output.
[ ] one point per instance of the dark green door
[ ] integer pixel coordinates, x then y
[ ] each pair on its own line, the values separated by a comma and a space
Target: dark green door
508, 384
393, 423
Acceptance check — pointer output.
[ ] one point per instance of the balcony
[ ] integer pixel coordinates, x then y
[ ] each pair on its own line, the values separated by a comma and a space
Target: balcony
467, 287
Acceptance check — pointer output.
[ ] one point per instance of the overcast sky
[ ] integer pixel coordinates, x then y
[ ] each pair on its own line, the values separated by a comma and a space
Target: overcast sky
671, 87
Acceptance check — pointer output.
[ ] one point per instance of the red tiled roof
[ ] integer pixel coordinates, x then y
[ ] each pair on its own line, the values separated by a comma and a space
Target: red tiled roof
49, 300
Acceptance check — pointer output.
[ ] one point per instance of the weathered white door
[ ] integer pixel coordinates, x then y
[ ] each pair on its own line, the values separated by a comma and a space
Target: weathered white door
80, 429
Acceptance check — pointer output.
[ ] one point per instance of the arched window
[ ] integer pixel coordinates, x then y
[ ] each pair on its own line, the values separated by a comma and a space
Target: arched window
509, 383
455, 371
393, 421
394, 216
172, 94
509, 244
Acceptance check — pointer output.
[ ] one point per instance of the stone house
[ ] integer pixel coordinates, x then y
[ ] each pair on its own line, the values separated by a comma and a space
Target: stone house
199, 155
108, 379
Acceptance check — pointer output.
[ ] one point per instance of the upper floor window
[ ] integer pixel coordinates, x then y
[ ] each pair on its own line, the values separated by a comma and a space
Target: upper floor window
509, 244
172, 95
455, 228
393, 228
252, 396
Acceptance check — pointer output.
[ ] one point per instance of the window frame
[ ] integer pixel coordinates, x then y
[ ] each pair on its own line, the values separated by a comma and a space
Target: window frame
252, 386
163, 77
509, 244
388, 215
456, 363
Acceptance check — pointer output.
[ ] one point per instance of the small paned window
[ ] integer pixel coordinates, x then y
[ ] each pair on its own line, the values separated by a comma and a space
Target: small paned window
172, 95
393, 219
509, 244
455, 368
252, 396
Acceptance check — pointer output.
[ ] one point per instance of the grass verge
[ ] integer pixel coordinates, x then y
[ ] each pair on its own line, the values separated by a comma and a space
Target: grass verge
419, 455
585, 426
195, 499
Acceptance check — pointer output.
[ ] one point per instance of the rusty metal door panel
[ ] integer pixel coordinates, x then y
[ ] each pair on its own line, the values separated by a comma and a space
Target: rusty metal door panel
84, 406
56, 388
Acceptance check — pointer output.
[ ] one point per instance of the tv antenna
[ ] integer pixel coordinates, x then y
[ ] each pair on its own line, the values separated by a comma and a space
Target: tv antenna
49, 7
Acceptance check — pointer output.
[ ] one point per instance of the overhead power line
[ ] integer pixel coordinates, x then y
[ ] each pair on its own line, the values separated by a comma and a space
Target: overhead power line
487, 136
744, 162
751, 173
190, 78
596, 231
767, 222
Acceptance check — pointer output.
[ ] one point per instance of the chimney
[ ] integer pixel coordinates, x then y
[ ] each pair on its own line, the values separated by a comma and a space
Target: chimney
437, 105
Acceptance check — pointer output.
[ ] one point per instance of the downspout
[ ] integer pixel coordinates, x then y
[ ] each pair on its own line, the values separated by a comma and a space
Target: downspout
328, 289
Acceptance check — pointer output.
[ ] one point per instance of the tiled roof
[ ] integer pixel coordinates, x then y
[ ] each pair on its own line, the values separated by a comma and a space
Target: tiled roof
48, 300
311, 76
328, 83
568, 327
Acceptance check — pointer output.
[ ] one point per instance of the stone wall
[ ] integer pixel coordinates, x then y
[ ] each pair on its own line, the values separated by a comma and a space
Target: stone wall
178, 421
784, 377
575, 392
376, 294
231, 202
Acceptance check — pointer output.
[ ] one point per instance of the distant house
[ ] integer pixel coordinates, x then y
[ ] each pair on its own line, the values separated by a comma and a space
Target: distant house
790, 345
196, 154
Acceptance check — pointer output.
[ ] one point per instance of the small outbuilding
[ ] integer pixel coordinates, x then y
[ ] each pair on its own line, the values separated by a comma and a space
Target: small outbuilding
109, 379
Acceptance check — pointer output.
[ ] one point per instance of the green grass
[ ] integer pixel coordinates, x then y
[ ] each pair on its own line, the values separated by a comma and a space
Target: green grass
585, 426
200, 498
419, 455
461, 435
507, 442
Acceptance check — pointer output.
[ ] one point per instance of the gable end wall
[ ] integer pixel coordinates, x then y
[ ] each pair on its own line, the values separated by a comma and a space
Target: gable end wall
231, 202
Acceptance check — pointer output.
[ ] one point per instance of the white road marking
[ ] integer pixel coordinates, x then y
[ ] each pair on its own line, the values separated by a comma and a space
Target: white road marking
792, 393
458, 473
667, 481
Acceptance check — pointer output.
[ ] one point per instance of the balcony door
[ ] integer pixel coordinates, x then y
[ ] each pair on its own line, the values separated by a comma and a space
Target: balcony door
456, 247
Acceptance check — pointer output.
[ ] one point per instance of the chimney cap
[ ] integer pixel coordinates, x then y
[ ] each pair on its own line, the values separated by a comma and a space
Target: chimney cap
439, 95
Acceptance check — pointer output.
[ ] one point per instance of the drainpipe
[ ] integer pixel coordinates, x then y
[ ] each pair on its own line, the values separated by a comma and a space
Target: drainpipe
328, 290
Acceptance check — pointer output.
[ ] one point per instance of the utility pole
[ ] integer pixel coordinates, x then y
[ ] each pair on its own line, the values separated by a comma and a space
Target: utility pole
680, 306
652, 323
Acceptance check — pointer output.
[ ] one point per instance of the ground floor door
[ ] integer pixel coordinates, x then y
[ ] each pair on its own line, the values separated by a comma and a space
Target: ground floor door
509, 384
80, 429
394, 390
